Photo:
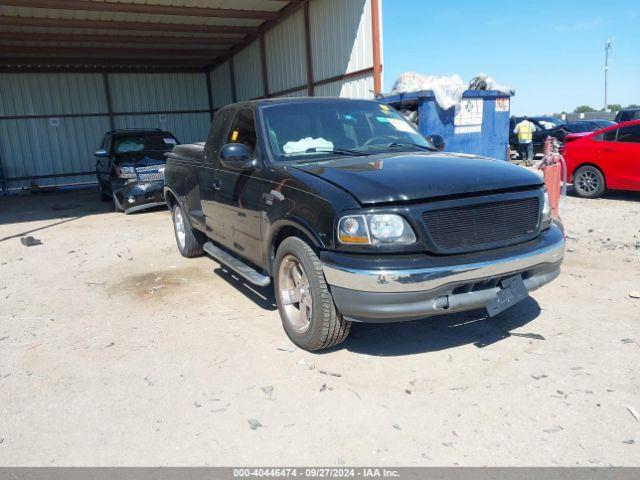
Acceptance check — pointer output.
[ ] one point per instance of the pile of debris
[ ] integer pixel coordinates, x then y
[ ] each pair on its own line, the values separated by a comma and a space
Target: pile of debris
448, 89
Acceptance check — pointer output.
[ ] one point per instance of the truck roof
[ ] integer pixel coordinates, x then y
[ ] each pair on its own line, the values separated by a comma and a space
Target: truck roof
274, 101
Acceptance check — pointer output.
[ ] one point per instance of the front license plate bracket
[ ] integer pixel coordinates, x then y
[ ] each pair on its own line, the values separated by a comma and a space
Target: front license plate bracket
512, 292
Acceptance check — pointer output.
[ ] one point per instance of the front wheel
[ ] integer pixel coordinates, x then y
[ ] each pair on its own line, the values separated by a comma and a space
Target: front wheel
308, 314
588, 182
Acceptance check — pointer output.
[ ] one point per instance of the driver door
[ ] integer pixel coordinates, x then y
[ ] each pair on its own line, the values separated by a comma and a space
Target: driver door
238, 206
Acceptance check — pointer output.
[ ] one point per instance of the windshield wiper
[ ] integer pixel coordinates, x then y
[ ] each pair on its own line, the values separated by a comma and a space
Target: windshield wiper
337, 150
409, 144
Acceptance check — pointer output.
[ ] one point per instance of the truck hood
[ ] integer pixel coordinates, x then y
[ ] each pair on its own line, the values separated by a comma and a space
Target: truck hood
413, 176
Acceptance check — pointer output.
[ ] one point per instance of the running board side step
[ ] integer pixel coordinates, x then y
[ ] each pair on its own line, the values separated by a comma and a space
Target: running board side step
237, 265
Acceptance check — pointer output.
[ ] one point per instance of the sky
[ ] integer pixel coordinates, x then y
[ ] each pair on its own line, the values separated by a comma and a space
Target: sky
559, 66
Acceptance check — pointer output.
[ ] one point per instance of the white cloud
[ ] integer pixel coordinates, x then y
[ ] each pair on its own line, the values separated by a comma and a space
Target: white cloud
577, 26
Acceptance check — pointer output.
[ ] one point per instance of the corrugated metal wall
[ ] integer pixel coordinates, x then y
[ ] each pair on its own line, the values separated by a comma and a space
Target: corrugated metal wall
221, 86
248, 72
161, 93
360, 87
341, 37
59, 93
341, 43
285, 54
55, 144
63, 117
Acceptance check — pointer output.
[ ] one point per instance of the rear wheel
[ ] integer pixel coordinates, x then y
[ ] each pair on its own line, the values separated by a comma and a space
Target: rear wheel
189, 241
588, 182
308, 314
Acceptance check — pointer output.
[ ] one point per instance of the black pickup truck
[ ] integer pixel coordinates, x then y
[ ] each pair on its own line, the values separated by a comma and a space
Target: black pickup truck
355, 216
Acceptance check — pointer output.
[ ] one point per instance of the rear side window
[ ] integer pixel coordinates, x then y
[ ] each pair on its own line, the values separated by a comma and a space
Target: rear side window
629, 134
609, 136
579, 127
627, 115
243, 130
219, 128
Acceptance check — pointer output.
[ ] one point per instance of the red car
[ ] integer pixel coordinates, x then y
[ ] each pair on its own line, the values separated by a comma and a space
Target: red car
607, 159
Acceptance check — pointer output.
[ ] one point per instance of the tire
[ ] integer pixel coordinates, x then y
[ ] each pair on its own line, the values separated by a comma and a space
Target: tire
104, 197
313, 323
588, 182
188, 240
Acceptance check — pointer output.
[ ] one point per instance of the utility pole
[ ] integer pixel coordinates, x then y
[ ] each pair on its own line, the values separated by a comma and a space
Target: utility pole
607, 51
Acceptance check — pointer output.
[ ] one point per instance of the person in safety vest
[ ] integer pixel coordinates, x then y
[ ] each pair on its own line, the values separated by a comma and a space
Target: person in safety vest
524, 130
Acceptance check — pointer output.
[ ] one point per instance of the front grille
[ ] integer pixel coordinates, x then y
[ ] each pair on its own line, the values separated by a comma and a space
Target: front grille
151, 173
471, 227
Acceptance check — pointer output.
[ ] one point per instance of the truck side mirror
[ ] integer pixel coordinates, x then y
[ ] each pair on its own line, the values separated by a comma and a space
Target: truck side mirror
437, 141
237, 155
101, 153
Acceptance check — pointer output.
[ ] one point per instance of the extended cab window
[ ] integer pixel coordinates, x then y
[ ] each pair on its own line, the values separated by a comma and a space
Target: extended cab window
243, 130
629, 134
217, 135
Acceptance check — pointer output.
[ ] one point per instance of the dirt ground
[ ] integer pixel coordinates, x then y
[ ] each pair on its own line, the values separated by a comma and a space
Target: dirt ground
115, 350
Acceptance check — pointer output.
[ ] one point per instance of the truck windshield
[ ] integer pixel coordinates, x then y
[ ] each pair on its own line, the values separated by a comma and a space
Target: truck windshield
304, 131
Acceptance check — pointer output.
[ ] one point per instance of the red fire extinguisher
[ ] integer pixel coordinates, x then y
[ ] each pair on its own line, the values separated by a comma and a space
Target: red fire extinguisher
554, 171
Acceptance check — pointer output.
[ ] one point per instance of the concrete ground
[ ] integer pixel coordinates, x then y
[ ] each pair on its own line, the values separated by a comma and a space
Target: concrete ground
115, 350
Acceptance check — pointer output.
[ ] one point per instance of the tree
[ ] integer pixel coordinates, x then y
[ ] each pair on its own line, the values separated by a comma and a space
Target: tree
584, 109
615, 107
633, 105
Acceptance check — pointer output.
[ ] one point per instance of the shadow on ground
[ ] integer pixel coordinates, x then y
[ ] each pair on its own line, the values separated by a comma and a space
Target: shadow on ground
261, 296
57, 207
407, 338
440, 332
622, 195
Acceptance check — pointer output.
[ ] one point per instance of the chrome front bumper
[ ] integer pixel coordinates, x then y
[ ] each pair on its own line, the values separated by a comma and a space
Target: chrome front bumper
430, 278
389, 294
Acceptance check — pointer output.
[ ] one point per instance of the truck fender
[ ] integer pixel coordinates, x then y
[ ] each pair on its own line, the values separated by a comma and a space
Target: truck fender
171, 197
294, 223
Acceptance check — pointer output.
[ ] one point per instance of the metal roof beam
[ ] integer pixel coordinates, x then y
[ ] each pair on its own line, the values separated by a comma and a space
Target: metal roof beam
142, 8
6, 61
156, 41
100, 69
13, 21
11, 50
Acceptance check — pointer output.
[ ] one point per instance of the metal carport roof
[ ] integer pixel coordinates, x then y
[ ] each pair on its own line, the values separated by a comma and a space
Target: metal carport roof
140, 35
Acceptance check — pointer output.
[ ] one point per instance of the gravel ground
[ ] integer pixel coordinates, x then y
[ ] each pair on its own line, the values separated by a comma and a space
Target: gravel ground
114, 350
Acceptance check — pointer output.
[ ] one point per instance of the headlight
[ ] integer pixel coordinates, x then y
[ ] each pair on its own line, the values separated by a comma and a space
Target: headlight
375, 229
546, 206
126, 172
545, 216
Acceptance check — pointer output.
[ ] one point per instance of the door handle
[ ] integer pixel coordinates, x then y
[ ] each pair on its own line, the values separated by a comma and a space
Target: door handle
217, 184
609, 149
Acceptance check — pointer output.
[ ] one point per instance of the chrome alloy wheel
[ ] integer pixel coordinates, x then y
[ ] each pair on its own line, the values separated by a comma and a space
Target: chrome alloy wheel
588, 182
178, 222
294, 293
